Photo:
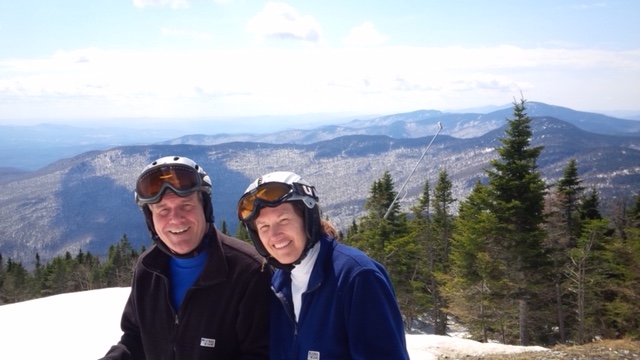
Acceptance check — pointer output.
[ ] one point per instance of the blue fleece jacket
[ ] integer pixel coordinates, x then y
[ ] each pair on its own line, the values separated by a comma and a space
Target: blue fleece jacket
349, 310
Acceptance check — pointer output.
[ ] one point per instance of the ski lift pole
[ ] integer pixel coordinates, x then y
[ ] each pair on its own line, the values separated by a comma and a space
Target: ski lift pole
414, 170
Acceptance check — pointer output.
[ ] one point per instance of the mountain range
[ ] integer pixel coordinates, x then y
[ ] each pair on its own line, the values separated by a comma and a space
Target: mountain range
423, 123
86, 201
28, 148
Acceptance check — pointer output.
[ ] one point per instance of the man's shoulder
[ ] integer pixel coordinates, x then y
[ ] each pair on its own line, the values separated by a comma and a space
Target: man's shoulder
238, 245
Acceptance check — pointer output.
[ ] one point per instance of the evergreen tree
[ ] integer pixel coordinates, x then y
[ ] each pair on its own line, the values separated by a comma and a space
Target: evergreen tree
619, 294
442, 224
243, 234
517, 193
477, 286
589, 208
224, 228
415, 298
569, 191
386, 239
352, 231
82, 273
374, 230
15, 283
118, 268
38, 276
585, 275
563, 228
634, 213
56, 278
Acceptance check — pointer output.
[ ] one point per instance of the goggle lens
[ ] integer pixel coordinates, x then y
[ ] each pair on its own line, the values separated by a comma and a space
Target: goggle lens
181, 179
266, 194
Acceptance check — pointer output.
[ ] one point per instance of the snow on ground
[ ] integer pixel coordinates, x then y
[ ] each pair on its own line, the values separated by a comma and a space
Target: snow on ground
84, 325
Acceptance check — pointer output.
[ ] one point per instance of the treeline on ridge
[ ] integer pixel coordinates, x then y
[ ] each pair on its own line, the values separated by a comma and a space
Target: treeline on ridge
68, 273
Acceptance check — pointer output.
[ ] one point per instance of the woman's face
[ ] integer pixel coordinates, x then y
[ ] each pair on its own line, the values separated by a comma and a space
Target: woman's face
281, 231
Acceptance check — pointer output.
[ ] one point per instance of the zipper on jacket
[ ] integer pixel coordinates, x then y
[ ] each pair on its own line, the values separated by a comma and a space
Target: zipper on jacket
176, 317
288, 308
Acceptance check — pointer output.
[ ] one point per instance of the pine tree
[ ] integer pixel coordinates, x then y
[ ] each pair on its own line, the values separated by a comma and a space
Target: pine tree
476, 287
83, 271
569, 191
586, 277
634, 213
563, 228
243, 234
353, 230
619, 294
386, 240
374, 231
118, 268
417, 299
442, 224
589, 208
15, 283
517, 192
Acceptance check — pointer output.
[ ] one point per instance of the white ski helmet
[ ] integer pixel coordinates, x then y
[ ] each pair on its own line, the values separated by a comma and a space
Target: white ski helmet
272, 190
178, 174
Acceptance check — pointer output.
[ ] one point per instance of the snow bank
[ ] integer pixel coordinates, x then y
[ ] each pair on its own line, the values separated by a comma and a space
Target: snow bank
84, 325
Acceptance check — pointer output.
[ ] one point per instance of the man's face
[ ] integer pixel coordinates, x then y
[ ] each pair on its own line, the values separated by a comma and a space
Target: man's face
281, 231
179, 221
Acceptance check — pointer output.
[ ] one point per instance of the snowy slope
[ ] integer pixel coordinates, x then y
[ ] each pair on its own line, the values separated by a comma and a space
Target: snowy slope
84, 325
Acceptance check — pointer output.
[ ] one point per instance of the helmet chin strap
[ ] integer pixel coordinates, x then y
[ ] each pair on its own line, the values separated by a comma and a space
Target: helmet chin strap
288, 267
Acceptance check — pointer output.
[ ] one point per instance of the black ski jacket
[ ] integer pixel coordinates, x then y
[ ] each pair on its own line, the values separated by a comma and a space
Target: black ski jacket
224, 315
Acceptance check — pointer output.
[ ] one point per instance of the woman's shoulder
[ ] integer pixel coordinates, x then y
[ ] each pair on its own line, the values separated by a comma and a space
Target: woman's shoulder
354, 258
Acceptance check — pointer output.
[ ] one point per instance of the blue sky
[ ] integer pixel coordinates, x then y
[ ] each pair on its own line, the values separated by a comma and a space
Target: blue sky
73, 60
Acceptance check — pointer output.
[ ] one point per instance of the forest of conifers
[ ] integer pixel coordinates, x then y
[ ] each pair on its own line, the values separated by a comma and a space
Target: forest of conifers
520, 262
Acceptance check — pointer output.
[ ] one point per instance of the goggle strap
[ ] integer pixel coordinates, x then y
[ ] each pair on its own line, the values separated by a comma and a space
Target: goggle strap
305, 190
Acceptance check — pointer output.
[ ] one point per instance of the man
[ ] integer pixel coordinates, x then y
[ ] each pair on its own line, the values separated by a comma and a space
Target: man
196, 293
331, 300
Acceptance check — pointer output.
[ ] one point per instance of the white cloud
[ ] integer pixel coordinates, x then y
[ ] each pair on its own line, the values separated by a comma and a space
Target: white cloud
279, 20
363, 35
93, 83
198, 35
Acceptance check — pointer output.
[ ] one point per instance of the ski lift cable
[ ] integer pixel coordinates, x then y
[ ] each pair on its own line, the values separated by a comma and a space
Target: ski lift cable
414, 170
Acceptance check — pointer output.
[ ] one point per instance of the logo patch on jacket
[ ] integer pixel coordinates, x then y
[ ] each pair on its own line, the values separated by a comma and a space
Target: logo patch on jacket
208, 342
313, 355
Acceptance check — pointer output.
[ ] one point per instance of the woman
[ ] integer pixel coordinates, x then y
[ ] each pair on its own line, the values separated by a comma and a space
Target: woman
331, 301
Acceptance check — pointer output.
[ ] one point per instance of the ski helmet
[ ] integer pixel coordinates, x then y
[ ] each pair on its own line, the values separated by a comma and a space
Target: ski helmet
272, 190
178, 174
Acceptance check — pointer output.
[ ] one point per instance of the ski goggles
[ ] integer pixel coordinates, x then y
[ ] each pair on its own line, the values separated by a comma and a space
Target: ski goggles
182, 180
271, 194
